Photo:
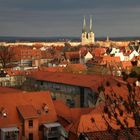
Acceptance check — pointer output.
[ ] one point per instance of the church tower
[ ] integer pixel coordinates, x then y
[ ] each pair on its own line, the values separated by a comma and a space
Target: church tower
91, 36
84, 33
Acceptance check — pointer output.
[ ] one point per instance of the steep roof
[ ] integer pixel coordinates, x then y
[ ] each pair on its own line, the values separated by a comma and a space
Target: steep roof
67, 113
29, 104
27, 111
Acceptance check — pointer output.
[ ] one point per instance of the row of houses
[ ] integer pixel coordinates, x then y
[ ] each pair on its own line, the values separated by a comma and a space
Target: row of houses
36, 116
36, 56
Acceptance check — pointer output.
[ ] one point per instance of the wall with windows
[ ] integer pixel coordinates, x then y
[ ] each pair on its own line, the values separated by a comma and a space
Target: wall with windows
86, 95
31, 129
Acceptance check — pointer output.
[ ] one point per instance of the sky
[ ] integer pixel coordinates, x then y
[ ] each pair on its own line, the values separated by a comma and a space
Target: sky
51, 18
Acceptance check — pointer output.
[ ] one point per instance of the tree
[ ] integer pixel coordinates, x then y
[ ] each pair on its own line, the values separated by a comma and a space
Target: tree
121, 111
6, 55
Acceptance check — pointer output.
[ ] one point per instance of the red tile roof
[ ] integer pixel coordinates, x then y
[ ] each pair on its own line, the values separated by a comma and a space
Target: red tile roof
75, 68
70, 55
27, 111
126, 64
87, 125
111, 135
9, 102
109, 59
90, 81
25, 52
81, 121
4, 90
67, 112
52, 69
98, 51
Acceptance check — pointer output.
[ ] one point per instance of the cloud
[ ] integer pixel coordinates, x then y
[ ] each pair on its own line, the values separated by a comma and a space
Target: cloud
65, 17
67, 4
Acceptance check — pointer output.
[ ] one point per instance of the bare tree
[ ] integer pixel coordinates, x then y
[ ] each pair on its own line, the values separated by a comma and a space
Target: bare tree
6, 55
122, 111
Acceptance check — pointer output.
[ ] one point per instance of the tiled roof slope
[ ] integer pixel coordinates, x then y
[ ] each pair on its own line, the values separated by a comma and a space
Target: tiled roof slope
9, 90
27, 111
90, 81
9, 103
70, 114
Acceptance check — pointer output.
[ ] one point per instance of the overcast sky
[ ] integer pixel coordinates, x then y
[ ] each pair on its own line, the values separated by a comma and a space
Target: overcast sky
48, 18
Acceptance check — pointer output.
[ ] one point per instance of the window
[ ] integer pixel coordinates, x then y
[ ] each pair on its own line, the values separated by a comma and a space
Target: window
41, 83
30, 123
30, 136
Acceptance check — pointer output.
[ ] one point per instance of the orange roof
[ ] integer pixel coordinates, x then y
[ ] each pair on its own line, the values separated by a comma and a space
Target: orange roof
87, 125
75, 68
90, 81
78, 66
81, 121
120, 88
26, 52
14, 72
27, 111
126, 64
78, 112
46, 55
70, 55
9, 102
9, 90
67, 112
108, 59
98, 51
52, 69
72, 115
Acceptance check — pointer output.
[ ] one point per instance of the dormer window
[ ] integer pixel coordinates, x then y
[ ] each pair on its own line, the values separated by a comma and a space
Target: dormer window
45, 108
4, 114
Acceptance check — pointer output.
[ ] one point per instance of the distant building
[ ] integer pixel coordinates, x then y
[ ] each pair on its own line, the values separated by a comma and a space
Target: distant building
87, 57
87, 38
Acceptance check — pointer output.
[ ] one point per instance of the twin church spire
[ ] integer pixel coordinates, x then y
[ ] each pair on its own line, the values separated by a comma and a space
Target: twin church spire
87, 38
90, 29
84, 25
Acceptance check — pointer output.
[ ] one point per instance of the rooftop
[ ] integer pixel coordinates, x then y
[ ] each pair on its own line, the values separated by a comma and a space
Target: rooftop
27, 111
29, 105
82, 80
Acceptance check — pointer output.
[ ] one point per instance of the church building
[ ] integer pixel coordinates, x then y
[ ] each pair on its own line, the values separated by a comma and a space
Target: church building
87, 38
